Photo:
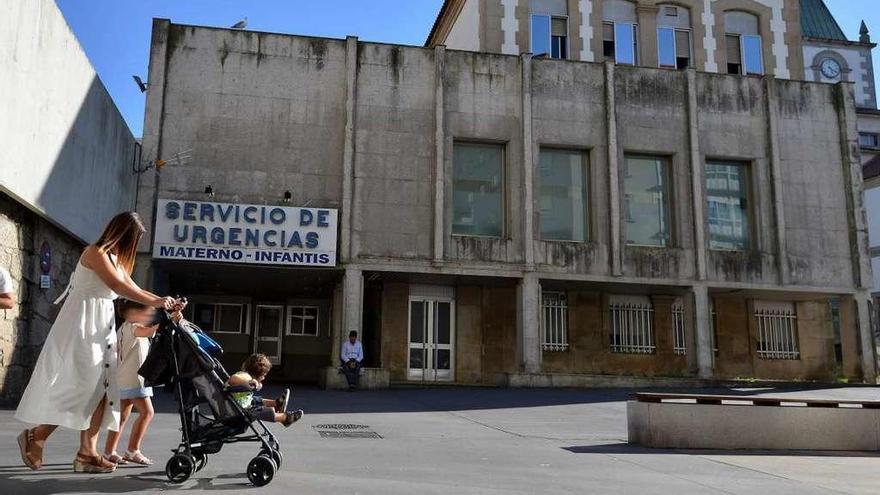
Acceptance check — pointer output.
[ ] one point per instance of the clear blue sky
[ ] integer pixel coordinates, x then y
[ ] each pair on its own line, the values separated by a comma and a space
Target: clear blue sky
116, 33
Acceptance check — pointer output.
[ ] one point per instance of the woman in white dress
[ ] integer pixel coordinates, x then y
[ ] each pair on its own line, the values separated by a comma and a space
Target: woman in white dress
73, 384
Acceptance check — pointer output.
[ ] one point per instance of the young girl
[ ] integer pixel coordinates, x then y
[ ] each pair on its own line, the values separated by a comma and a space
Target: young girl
253, 372
133, 345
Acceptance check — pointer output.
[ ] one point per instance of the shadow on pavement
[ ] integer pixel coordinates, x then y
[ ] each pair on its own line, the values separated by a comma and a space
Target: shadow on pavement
59, 479
630, 449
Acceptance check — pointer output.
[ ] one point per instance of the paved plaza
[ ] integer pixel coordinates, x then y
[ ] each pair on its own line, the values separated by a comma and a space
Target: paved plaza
459, 441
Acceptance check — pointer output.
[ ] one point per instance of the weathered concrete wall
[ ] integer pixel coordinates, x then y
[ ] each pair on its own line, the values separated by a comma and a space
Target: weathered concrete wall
68, 152
24, 328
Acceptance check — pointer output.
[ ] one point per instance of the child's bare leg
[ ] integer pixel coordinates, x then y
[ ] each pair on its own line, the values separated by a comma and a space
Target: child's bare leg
144, 407
113, 436
269, 403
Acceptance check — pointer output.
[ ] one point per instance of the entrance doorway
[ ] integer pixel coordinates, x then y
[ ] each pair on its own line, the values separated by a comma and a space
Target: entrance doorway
431, 339
267, 331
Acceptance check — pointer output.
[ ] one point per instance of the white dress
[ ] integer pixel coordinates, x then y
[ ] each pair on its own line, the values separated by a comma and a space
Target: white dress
77, 365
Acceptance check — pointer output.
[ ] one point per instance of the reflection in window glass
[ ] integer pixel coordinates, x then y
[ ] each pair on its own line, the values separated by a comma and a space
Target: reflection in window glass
754, 58
563, 195
666, 46
477, 190
646, 201
727, 206
624, 44
540, 34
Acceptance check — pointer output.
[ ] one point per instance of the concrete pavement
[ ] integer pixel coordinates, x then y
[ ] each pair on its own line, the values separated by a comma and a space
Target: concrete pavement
459, 441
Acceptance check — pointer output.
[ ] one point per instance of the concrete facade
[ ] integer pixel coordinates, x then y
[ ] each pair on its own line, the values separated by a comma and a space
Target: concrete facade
373, 129
68, 168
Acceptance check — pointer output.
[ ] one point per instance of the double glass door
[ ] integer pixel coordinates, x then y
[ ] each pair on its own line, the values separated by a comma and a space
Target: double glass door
431, 339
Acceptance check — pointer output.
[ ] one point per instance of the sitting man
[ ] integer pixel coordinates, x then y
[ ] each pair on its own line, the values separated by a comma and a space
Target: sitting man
351, 356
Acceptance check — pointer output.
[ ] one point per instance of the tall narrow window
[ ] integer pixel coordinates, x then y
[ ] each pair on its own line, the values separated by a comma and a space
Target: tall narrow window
743, 45
727, 194
674, 37
559, 38
619, 31
549, 28
541, 34
478, 190
563, 195
554, 321
646, 195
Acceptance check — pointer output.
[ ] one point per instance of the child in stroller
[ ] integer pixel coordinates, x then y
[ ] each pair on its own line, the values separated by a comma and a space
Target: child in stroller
185, 359
253, 371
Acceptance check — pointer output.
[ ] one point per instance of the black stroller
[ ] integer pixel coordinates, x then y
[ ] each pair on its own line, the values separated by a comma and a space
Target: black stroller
209, 416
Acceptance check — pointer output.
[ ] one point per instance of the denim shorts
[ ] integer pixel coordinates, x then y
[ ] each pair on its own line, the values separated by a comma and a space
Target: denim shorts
136, 393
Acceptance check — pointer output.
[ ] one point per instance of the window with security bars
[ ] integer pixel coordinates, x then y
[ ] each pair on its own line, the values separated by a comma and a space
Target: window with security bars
631, 325
777, 331
679, 345
554, 321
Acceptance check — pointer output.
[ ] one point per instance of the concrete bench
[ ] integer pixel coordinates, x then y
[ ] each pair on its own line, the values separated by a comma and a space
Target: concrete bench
690, 421
371, 379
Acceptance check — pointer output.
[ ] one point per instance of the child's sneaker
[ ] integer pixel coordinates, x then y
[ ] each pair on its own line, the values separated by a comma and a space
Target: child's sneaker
292, 417
282, 401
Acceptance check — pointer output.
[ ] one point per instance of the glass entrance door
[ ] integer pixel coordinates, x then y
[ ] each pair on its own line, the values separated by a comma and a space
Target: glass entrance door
431, 339
267, 331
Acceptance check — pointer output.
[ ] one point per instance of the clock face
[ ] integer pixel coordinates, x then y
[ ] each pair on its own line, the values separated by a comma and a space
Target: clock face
830, 68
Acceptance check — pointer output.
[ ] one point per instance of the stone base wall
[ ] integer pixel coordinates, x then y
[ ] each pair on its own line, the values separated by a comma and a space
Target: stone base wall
23, 329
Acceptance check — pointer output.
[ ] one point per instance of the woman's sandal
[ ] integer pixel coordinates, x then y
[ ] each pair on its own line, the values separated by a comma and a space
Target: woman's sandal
137, 458
115, 458
31, 451
92, 464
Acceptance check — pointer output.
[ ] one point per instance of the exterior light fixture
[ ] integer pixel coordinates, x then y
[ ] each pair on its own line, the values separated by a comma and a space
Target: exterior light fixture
209, 191
287, 196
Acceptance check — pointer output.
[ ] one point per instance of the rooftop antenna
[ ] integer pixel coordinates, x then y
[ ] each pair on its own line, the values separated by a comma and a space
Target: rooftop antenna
240, 24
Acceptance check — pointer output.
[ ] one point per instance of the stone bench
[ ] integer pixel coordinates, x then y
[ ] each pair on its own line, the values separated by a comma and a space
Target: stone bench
371, 379
689, 421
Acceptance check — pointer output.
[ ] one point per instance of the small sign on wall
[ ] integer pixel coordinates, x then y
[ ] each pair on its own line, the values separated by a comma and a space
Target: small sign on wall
45, 282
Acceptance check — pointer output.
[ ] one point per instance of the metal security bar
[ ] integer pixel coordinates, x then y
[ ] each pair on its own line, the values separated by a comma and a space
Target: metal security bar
679, 346
777, 334
632, 329
554, 321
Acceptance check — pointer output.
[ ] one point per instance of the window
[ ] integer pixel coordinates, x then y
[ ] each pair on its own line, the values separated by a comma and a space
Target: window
550, 36
743, 44
478, 190
727, 195
869, 140
302, 320
554, 321
646, 196
620, 42
620, 31
221, 317
679, 339
777, 330
674, 37
631, 325
563, 195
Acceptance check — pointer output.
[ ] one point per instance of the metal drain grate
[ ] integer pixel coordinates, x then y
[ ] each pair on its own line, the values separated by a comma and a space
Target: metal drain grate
349, 434
339, 430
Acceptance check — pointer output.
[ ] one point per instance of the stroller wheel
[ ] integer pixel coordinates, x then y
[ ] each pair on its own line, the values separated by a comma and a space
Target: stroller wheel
275, 455
261, 470
201, 460
179, 468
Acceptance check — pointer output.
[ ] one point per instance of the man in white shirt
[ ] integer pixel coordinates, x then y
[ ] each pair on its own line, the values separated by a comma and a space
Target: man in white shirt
7, 290
351, 355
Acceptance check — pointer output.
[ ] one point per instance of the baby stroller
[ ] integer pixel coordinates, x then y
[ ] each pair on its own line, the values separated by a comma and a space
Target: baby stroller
183, 358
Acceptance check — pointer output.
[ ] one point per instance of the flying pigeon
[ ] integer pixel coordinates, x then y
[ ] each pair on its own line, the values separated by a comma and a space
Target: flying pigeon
240, 24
